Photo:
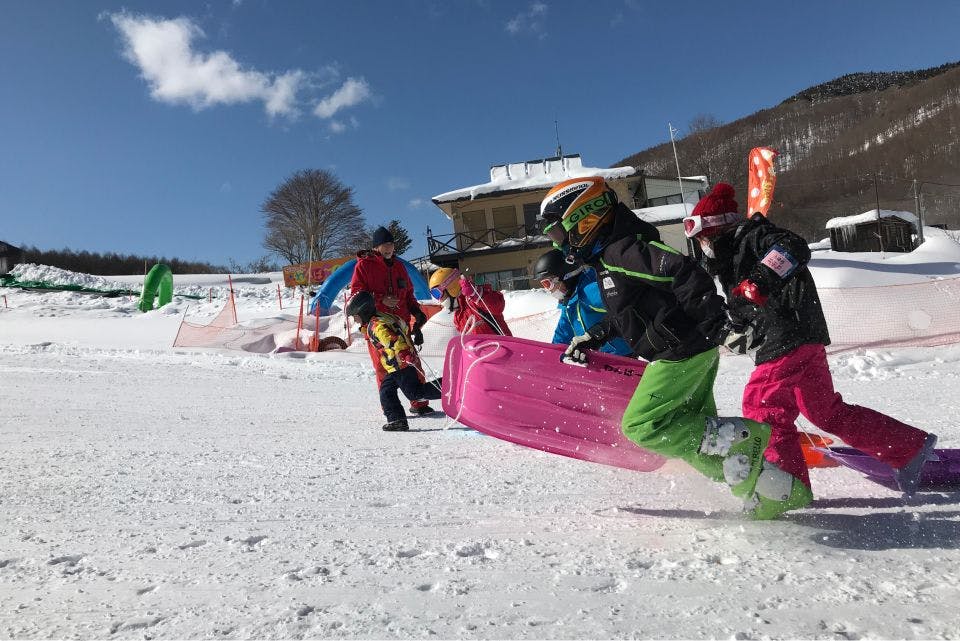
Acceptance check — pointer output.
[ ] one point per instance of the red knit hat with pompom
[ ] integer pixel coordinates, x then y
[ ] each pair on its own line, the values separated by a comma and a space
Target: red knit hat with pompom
715, 212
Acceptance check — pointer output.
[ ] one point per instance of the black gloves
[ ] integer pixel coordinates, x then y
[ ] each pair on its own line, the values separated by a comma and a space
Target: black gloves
742, 338
416, 334
576, 352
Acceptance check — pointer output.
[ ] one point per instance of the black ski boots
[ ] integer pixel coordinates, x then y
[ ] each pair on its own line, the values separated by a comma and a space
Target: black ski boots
399, 425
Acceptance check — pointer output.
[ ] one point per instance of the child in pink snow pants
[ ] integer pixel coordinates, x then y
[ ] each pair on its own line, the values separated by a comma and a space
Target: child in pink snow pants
771, 296
799, 382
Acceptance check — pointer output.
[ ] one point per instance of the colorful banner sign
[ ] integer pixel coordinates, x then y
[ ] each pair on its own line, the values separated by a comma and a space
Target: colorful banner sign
319, 270
762, 179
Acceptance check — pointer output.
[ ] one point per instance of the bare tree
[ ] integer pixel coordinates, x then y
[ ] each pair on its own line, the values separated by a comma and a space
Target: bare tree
703, 140
311, 204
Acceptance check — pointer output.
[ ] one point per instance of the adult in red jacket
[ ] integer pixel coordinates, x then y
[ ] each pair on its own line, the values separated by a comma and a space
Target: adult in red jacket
380, 273
476, 310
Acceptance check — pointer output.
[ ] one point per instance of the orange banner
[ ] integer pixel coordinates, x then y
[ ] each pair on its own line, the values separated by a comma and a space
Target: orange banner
319, 270
762, 179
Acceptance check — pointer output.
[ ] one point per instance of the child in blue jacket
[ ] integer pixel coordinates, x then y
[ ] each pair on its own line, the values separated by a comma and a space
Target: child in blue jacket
581, 305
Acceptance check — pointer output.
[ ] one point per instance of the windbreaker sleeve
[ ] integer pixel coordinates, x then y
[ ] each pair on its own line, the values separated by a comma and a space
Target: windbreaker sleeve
564, 331
780, 255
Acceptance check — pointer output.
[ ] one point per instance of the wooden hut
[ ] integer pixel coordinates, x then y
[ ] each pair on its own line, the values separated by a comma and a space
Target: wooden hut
890, 231
9, 256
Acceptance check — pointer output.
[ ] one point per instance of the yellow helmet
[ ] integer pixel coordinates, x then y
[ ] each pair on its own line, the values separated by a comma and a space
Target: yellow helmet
445, 280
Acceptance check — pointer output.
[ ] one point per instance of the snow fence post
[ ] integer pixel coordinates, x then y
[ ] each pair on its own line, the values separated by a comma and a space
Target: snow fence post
279, 299
315, 341
299, 325
233, 303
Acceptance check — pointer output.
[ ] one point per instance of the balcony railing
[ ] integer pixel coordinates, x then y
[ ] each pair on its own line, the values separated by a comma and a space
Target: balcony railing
519, 237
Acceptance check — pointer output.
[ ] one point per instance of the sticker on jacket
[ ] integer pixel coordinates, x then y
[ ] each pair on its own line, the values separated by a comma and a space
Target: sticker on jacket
607, 282
780, 261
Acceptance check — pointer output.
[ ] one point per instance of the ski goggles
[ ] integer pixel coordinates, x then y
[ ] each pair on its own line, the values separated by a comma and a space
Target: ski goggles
437, 292
695, 225
550, 283
555, 232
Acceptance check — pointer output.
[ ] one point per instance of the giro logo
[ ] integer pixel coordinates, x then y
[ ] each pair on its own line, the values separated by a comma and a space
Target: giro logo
592, 207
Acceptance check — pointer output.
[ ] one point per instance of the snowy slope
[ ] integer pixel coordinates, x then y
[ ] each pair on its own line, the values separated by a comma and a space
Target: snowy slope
153, 492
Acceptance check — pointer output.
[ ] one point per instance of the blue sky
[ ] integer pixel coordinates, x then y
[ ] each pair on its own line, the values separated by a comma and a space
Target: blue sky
161, 127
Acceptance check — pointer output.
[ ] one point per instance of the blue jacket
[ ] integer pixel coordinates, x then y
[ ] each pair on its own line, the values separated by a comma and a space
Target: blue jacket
581, 311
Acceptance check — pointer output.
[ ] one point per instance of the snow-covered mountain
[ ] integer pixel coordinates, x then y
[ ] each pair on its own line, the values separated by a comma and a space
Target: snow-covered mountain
843, 145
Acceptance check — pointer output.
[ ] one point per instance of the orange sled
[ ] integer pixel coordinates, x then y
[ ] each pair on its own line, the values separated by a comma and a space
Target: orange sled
814, 458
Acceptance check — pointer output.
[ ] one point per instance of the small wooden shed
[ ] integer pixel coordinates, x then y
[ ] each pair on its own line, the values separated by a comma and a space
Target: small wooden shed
9, 256
890, 231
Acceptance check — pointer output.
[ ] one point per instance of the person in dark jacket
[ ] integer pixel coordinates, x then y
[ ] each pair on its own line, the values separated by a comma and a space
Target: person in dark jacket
380, 273
774, 304
581, 306
666, 307
390, 337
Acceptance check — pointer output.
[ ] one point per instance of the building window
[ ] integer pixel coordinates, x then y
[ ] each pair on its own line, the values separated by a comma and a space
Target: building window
475, 226
505, 223
508, 280
531, 212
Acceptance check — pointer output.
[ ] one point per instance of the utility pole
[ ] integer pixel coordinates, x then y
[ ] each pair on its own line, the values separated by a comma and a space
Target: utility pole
916, 202
876, 191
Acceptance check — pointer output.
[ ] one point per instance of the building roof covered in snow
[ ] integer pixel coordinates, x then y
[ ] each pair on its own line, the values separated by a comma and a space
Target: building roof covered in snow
532, 175
871, 216
662, 214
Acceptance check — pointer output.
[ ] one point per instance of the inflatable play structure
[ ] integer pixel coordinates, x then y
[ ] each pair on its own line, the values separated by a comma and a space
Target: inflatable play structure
157, 285
341, 278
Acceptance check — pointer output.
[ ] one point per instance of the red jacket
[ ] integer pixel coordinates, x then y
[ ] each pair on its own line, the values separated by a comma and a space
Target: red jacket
373, 274
485, 305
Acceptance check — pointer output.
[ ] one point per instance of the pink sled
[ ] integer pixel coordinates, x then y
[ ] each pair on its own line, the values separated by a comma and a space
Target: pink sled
518, 390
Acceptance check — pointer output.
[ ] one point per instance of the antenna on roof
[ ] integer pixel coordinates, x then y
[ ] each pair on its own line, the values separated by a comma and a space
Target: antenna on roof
677, 160
556, 127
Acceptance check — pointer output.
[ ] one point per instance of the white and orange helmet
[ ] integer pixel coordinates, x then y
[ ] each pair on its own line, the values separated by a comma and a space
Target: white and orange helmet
576, 209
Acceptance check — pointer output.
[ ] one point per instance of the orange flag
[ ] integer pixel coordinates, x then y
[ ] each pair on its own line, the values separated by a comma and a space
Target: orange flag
762, 179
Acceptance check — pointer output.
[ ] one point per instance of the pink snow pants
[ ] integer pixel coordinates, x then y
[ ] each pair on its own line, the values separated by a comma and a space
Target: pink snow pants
799, 382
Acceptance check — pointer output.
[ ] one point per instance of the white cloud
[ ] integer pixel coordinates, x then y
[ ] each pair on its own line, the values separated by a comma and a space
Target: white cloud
226, 187
528, 21
352, 92
396, 184
415, 203
337, 127
164, 52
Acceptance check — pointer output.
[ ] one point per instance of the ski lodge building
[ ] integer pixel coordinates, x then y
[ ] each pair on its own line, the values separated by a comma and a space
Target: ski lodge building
496, 236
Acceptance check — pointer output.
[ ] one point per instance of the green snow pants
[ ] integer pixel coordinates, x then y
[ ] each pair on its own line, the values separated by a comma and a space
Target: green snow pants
669, 410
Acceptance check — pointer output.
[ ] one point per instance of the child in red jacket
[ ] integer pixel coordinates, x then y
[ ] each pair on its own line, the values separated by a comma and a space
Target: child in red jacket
475, 310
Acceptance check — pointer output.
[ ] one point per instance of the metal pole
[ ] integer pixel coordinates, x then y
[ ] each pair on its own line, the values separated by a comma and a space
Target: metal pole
677, 161
916, 200
876, 191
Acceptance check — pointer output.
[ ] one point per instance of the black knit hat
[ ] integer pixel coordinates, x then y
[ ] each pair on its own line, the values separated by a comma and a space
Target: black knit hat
381, 235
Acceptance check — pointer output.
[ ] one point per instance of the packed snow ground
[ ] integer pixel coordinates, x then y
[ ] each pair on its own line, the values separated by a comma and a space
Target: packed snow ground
154, 492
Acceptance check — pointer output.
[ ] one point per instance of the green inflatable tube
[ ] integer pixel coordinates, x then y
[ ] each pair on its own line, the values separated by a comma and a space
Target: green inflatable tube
159, 278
